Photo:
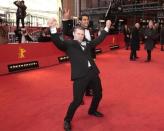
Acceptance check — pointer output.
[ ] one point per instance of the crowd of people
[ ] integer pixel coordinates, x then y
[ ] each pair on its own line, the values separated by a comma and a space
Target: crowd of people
150, 35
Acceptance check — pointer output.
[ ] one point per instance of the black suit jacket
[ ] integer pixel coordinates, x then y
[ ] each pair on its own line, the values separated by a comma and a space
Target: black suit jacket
79, 58
149, 41
21, 11
135, 39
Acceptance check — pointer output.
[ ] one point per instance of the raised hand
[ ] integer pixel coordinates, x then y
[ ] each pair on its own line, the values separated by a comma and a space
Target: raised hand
66, 14
52, 22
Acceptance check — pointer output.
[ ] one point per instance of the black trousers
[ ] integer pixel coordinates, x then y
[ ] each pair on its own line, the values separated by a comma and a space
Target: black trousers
17, 22
133, 54
148, 55
79, 88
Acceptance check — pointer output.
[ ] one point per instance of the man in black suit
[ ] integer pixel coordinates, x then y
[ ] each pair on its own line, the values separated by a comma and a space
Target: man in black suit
88, 35
83, 68
149, 40
135, 41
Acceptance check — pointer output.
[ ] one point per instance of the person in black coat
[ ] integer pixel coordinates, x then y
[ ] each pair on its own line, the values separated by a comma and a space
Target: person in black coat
149, 40
162, 38
135, 41
83, 68
126, 32
21, 12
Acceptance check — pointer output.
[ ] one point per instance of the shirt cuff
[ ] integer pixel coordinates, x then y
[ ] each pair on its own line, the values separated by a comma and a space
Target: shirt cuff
106, 29
53, 30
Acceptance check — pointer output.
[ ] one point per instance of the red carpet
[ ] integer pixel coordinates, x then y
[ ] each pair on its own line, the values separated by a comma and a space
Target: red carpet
133, 95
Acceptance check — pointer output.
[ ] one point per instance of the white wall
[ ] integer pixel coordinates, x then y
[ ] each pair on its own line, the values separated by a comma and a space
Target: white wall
43, 5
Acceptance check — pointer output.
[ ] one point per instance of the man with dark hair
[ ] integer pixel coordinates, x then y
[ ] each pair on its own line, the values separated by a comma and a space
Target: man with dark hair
21, 12
83, 68
83, 21
89, 35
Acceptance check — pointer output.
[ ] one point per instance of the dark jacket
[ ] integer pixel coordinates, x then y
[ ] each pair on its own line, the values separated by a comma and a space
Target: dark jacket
135, 39
79, 58
149, 41
126, 35
162, 36
21, 11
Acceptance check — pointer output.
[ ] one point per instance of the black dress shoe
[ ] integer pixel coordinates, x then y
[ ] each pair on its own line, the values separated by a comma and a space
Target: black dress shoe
67, 126
132, 59
96, 113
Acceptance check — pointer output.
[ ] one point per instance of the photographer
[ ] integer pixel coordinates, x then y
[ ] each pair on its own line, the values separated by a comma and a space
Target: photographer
21, 12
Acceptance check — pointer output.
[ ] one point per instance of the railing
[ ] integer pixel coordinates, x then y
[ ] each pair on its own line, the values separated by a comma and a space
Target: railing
155, 6
142, 7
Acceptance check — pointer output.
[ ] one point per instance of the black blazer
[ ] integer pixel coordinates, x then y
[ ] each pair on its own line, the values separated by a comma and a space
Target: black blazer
135, 39
149, 41
79, 58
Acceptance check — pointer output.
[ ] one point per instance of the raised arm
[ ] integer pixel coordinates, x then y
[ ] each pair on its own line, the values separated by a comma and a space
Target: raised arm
67, 23
17, 3
103, 34
60, 44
